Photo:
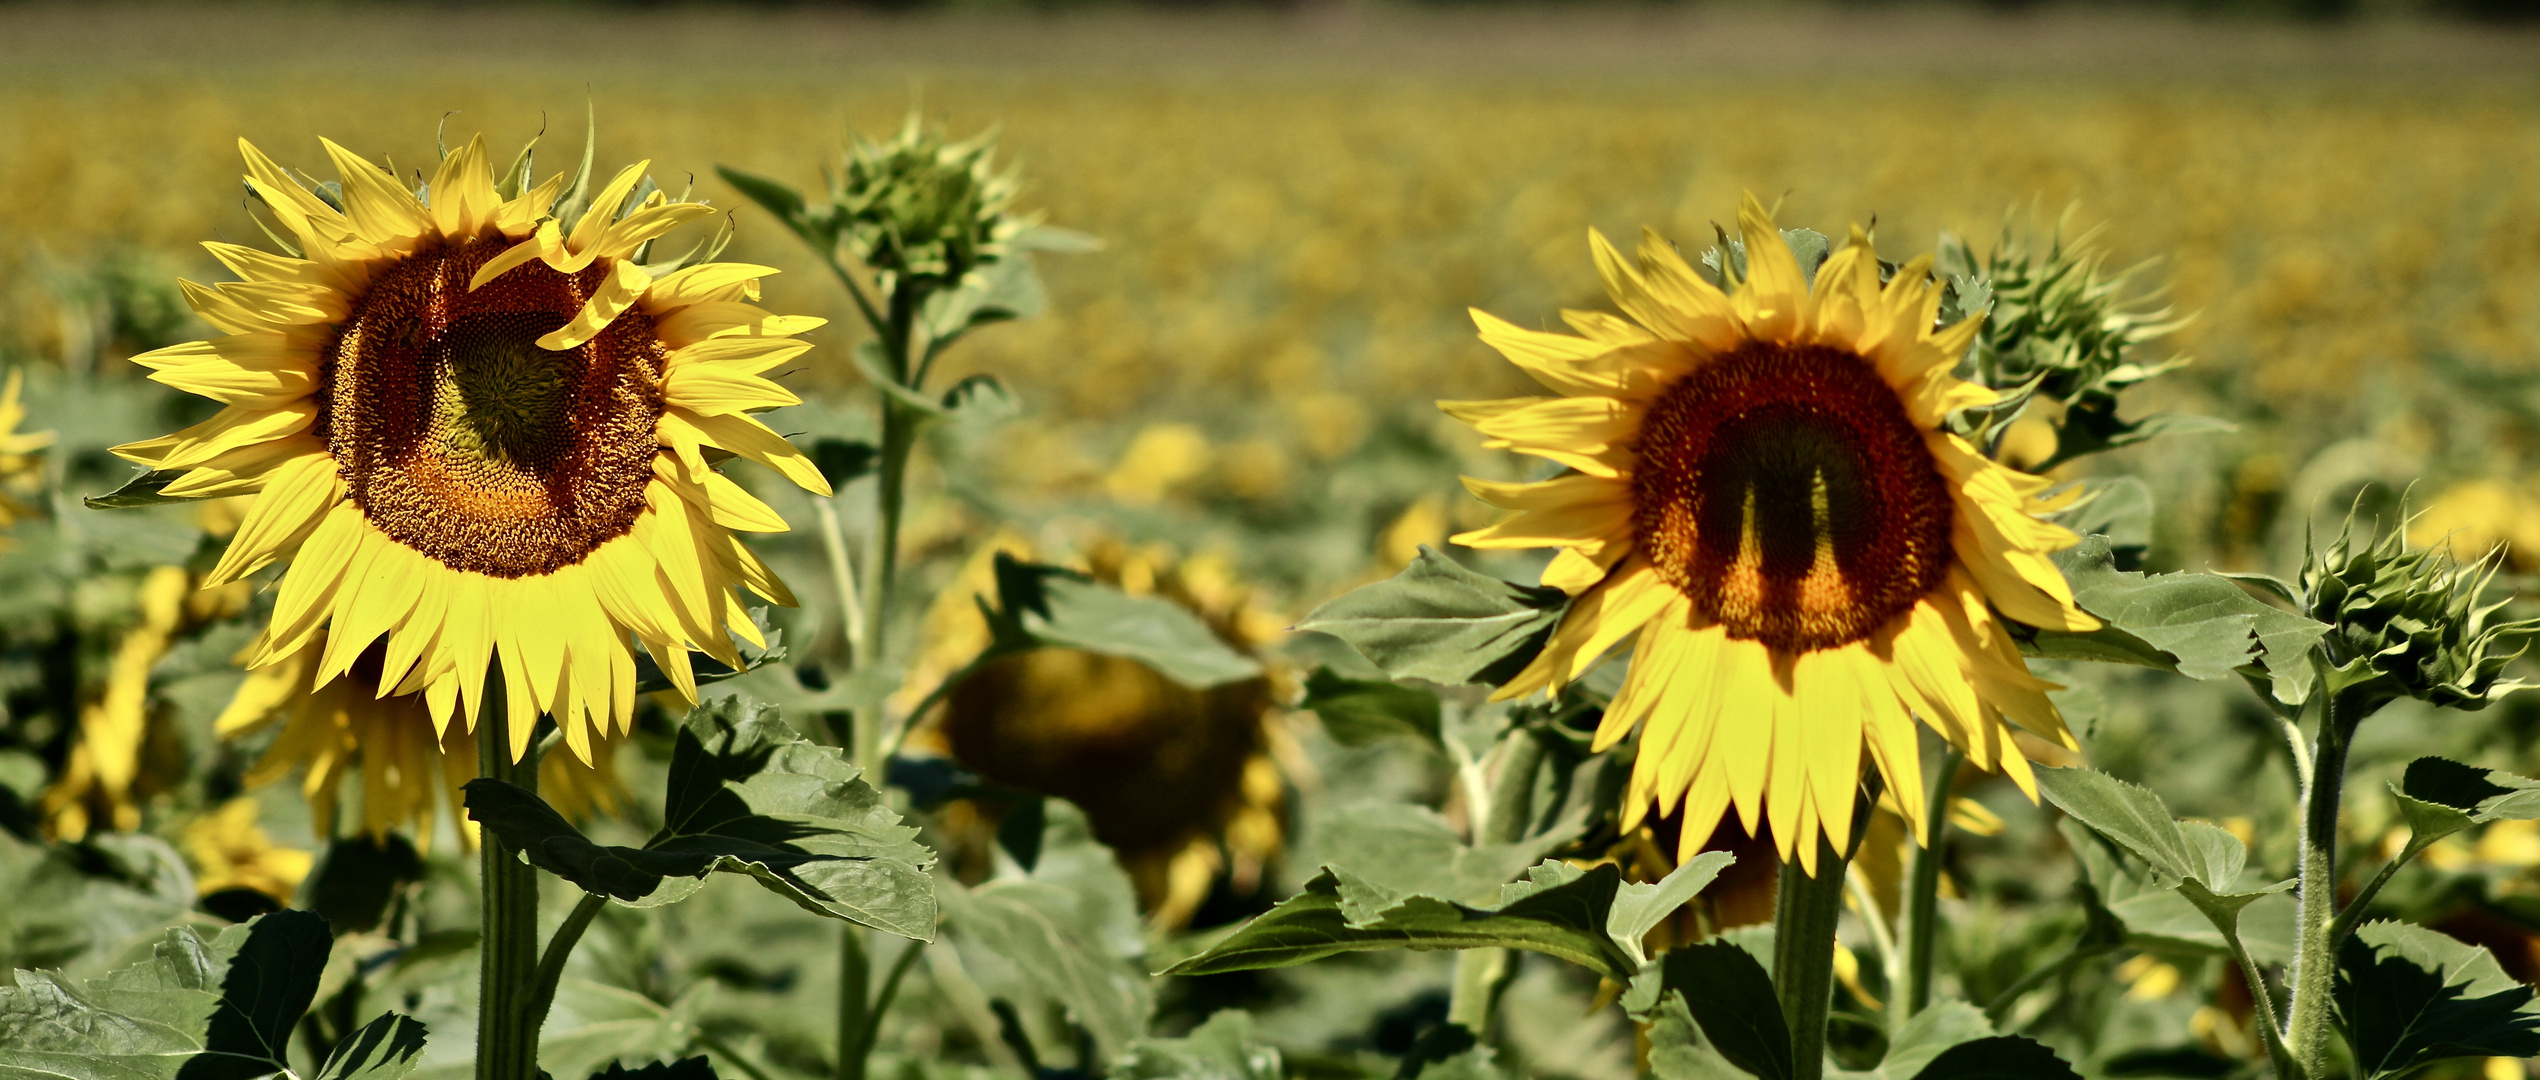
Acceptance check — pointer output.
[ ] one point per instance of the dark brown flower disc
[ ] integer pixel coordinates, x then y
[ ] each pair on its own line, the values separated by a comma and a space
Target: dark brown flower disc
462, 439
1786, 492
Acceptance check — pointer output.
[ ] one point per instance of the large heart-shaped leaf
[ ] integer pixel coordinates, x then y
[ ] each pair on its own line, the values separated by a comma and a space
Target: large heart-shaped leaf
2204, 626
1438, 621
1049, 606
745, 796
1558, 910
2407, 996
222, 1009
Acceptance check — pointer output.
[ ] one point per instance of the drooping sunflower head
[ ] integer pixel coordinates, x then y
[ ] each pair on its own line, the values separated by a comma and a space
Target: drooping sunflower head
477, 419
1179, 782
1759, 488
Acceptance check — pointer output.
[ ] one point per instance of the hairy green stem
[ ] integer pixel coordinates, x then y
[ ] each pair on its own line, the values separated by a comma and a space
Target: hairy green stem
1912, 993
559, 948
833, 543
1999, 1009
2314, 950
507, 960
732, 1056
890, 991
855, 984
1500, 816
1805, 911
2279, 1057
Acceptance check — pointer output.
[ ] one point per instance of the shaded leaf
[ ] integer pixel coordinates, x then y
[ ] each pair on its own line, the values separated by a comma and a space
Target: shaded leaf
1731, 996
217, 1010
2407, 995
361, 874
843, 461
1438, 621
1068, 934
1044, 606
692, 1068
142, 490
384, 1049
1356, 712
1998, 1057
1224, 1048
774, 196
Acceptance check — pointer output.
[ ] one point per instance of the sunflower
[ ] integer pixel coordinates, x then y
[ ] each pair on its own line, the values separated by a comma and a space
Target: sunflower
1181, 784
20, 466
1761, 492
411, 769
483, 433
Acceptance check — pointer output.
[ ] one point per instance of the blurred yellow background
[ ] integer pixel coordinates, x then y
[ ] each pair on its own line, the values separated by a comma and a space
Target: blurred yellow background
1299, 206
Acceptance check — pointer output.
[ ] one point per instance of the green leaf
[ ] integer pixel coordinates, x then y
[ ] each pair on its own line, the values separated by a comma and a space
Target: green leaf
552, 844
217, 1010
596, 1025
981, 397
1224, 1048
1049, 606
142, 490
1998, 1057
2407, 996
1438, 621
1068, 934
796, 816
774, 196
2203, 626
361, 874
2131, 905
746, 796
1559, 910
2202, 862
1639, 907
1408, 848
1356, 712
2119, 508
384, 1049
1731, 997
1930, 1033
691, 1068
843, 461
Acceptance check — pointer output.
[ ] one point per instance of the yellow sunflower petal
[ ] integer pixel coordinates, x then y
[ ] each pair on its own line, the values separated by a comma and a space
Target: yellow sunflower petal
381, 209
624, 285
298, 492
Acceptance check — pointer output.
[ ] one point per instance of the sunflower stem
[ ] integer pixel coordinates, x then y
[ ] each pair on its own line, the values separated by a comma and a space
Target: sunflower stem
855, 979
1805, 912
507, 960
2314, 950
1922, 894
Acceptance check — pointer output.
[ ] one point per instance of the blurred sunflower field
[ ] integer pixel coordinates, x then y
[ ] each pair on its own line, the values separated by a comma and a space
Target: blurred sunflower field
986, 542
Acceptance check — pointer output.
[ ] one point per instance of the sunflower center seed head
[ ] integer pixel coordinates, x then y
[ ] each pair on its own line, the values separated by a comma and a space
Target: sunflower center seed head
462, 439
1784, 490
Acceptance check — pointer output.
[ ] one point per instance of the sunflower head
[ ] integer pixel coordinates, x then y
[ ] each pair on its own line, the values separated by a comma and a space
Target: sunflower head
1179, 782
2407, 621
482, 422
1760, 488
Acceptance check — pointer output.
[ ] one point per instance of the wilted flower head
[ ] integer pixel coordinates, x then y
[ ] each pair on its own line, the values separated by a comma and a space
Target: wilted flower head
2407, 622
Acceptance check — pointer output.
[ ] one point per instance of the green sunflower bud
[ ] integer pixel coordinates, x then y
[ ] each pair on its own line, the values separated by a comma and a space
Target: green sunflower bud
2407, 622
2063, 328
920, 206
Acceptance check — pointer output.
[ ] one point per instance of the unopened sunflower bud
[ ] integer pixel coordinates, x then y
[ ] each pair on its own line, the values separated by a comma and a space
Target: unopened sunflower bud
920, 206
2407, 622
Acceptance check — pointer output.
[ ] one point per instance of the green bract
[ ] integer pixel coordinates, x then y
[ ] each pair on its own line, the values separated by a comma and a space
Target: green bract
2408, 622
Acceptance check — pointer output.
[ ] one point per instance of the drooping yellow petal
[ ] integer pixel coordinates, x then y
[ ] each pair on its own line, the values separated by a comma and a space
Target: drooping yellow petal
298, 492
618, 291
